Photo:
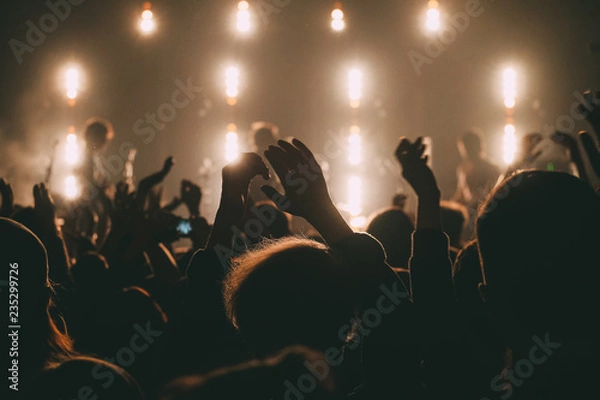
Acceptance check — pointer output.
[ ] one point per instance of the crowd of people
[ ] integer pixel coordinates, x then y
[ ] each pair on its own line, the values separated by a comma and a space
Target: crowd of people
442, 304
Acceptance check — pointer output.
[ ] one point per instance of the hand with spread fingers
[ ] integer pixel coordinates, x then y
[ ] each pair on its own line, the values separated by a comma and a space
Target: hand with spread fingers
191, 196
591, 110
306, 194
591, 148
415, 169
237, 176
7, 206
301, 177
45, 209
418, 174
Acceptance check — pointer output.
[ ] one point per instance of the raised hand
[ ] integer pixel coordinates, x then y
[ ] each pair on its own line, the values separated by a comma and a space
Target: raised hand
191, 196
7, 206
591, 110
236, 180
301, 177
234, 196
45, 210
570, 143
149, 182
418, 174
306, 194
415, 169
592, 151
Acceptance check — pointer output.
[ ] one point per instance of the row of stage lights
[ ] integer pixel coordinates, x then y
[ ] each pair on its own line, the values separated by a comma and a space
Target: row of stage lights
245, 18
73, 82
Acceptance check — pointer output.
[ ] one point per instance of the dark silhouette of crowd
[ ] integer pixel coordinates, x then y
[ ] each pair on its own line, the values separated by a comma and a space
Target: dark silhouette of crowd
492, 295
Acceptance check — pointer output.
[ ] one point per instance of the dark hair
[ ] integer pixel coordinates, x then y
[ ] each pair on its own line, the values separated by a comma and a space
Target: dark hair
70, 378
393, 228
538, 240
264, 379
288, 292
454, 219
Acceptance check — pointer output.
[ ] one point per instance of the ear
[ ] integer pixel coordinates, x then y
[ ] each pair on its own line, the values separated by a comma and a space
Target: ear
482, 289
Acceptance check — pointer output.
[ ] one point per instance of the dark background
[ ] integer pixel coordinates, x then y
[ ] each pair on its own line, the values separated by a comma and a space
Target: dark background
294, 72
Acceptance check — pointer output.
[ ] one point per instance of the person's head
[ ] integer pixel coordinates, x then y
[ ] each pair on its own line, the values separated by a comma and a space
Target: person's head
529, 142
280, 376
84, 378
454, 219
470, 146
90, 273
263, 135
98, 132
287, 292
538, 235
399, 200
393, 228
24, 261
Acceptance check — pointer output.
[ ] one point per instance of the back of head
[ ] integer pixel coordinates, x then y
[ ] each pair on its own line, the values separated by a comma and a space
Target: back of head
90, 273
283, 376
264, 134
288, 292
84, 378
470, 145
538, 235
98, 132
393, 228
454, 219
24, 264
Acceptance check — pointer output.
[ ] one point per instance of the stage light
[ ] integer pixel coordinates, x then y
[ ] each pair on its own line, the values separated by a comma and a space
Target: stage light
71, 188
243, 17
231, 143
510, 144
354, 204
232, 81
355, 87
358, 222
147, 24
72, 151
510, 87
433, 16
72, 82
337, 19
355, 146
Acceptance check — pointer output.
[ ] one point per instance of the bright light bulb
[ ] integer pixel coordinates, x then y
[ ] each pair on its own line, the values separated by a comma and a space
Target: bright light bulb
510, 144
232, 81
433, 22
147, 25
338, 25
231, 146
337, 14
354, 196
243, 17
147, 14
355, 87
71, 188
510, 87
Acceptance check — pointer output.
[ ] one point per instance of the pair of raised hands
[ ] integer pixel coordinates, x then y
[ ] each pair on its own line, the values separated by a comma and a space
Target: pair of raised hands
306, 194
